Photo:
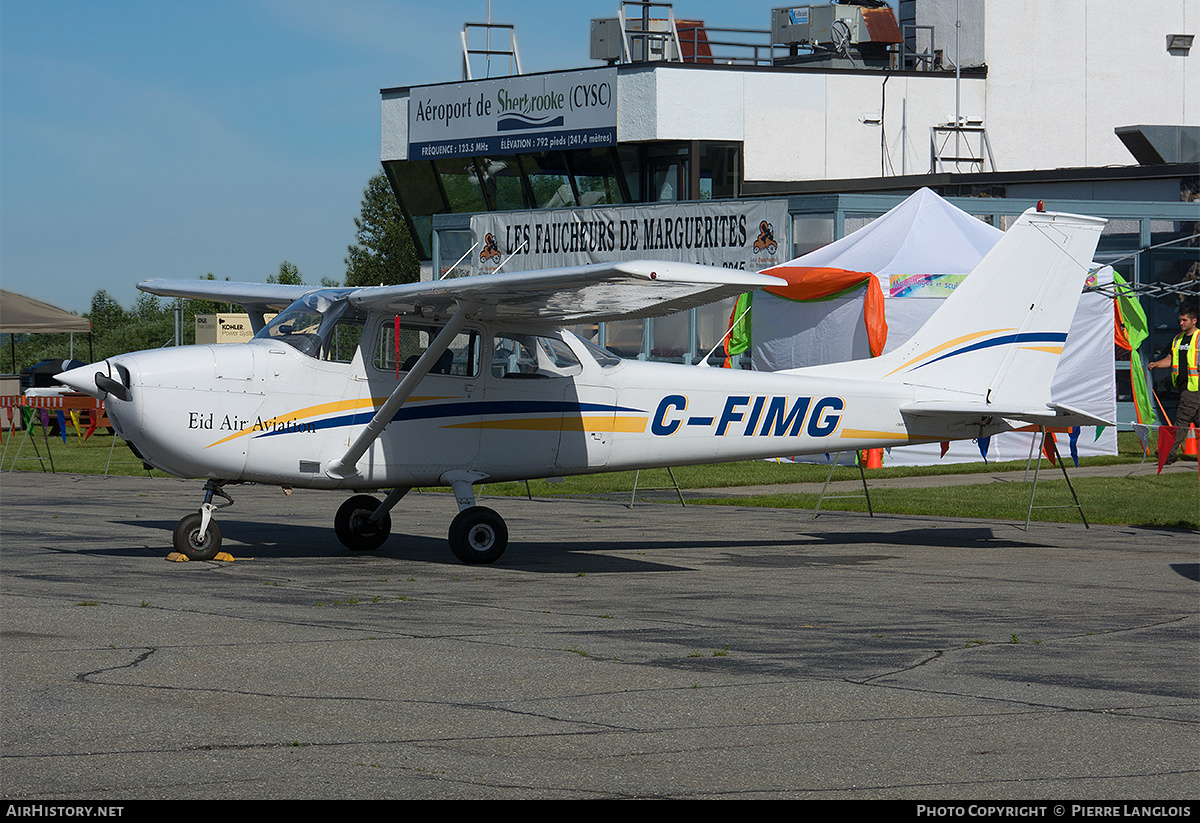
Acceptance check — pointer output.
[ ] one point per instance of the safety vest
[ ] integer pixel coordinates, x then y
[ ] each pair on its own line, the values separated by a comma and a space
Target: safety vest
1193, 376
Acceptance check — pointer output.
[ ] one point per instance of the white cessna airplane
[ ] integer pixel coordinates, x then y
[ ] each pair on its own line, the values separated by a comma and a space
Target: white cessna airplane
472, 379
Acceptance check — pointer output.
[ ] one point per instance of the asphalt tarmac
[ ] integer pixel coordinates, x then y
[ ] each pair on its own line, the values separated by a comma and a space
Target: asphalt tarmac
653, 652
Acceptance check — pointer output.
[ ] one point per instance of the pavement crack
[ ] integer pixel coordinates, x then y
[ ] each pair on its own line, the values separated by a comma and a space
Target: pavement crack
83, 677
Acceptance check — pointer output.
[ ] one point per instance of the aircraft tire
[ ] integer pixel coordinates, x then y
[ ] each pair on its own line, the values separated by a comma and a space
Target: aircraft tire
478, 535
352, 527
186, 542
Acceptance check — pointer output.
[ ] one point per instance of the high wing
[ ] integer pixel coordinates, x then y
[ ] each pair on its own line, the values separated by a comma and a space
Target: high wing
597, 292
261, 296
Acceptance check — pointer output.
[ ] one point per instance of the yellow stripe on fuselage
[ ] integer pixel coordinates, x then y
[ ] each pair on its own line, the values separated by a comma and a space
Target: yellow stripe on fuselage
316, 411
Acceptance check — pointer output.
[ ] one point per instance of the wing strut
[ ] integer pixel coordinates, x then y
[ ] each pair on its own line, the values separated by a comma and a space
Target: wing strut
346, 465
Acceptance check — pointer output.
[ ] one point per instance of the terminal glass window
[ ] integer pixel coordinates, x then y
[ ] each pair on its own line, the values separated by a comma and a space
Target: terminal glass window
625, 338
656, 172
720, 171
1120, 237
504, 181
460, 180
420, 194
712, 324
672, 337
549, 180
811, 232
455, 253
597, 177
1166, 267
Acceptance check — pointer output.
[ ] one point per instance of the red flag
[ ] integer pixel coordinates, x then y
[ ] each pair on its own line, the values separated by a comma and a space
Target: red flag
1048, 446
396, 337
1166, 442
945, 448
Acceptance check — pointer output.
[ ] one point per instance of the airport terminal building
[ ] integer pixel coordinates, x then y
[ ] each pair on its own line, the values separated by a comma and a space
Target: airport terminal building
749, 147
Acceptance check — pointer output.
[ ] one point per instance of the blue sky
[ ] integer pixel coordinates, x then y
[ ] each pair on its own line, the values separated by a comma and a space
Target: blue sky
166, 139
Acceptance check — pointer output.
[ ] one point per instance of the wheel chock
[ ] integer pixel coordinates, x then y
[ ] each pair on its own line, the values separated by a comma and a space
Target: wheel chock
178, 557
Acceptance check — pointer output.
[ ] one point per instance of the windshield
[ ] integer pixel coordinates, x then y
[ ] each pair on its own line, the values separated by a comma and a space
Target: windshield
322, 324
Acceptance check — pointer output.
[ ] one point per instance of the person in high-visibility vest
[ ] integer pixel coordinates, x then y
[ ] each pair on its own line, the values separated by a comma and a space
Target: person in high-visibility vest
1182, 362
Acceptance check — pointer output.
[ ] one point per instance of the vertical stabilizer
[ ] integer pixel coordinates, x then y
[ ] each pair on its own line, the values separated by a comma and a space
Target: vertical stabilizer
999, 335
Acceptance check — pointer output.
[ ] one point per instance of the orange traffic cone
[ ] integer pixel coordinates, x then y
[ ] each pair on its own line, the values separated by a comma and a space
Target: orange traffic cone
1189, 444
874, 458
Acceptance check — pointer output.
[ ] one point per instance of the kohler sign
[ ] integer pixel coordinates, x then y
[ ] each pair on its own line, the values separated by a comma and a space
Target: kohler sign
511, 115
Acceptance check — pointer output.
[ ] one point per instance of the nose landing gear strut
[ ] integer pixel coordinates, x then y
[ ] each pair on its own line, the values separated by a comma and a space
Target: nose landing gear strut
197, 536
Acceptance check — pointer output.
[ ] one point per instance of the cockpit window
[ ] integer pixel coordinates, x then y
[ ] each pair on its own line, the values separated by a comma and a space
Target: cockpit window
530, 355
321, 324
400, 344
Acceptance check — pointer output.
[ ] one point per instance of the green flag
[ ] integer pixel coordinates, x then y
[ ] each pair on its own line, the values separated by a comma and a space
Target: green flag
1134, 320
739, 336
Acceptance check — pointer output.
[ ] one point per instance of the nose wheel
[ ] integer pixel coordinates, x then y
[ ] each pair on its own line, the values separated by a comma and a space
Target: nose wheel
195, 542
197, 536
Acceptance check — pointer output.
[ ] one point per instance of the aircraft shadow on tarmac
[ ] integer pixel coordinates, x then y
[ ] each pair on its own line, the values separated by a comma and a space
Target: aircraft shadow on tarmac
274, 540
1189, 570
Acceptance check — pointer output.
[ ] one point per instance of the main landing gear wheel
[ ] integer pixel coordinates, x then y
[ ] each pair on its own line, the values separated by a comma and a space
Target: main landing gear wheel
478, 535
354, 527
187, 538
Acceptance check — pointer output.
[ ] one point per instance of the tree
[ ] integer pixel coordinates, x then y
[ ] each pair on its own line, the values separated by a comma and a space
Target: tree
384, 252
288, 275
106, 313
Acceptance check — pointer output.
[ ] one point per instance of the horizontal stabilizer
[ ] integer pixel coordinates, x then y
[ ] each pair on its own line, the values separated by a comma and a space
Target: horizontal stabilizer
972, 414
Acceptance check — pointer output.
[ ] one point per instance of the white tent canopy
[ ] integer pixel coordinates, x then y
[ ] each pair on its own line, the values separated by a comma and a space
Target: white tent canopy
922, 235
918, 251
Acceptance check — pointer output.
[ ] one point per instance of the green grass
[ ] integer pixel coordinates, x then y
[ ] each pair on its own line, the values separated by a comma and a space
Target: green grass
1147, 499
769, 472
1165, 501
75, 456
